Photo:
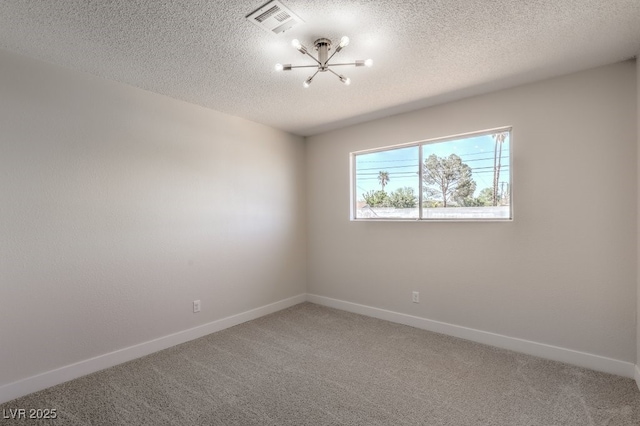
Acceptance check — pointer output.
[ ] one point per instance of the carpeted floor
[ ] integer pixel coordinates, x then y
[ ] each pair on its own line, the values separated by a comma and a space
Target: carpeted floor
311, 365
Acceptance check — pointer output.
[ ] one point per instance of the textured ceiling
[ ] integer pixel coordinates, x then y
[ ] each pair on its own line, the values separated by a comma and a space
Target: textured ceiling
424, 52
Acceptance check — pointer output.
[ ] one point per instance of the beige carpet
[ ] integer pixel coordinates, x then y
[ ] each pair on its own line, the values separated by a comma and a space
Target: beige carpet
311, 365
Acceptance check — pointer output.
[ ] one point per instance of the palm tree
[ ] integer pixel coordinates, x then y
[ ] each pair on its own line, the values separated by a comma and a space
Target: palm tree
383, 178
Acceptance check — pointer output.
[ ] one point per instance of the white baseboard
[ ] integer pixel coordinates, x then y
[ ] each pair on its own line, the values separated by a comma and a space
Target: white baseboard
69, 372
555, 353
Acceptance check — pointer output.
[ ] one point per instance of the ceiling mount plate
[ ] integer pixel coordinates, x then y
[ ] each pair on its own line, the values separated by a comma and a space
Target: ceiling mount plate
274, 17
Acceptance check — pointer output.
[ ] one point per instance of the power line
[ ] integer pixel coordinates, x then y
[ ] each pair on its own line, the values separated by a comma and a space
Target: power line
415, 164
389, 167
462, 156
384, 161
474, 170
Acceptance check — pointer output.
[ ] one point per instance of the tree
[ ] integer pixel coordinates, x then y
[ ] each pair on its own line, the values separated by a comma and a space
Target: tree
383, 178
376, 199
469, 202
403, 198
485, 197
431, 204
447, 178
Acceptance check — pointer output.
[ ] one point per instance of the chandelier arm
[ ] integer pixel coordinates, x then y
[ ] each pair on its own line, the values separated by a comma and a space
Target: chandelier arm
332, 55
304, 66
333, 72
344, 63
311, 56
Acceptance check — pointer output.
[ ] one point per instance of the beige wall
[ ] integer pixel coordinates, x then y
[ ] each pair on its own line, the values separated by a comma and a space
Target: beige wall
562, 273
638, 259
120, 207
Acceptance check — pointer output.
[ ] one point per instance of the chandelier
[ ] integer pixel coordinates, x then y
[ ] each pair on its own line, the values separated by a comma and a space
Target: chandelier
323, 46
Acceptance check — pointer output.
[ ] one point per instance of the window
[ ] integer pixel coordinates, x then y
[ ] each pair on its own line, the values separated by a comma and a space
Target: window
464, 177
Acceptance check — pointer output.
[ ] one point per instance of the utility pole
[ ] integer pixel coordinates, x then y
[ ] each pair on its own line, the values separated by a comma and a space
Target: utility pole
497, 157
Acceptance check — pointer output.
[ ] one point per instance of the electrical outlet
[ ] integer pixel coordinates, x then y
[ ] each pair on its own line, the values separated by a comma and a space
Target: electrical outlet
415, 297
196, 306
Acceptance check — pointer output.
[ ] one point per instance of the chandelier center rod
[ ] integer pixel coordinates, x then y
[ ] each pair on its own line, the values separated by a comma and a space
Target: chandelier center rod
323, 45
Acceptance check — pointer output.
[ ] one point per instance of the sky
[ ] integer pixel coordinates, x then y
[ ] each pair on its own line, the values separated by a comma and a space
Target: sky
402, 163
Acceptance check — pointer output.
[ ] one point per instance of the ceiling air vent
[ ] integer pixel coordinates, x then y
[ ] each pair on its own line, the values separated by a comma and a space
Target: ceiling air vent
274, 17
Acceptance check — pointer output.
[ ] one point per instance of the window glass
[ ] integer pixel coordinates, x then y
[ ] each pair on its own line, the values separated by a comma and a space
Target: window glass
387, 184
457, 178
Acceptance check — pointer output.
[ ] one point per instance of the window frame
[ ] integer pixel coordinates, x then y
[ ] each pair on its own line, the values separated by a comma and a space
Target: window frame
420, 144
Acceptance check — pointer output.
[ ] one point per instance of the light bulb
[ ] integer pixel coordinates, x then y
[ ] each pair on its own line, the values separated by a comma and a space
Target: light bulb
345, 80
307, 82
368, 63
279, 67
296, 43
344, 41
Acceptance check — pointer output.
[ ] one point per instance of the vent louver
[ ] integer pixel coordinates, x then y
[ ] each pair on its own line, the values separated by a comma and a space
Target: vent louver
266, 15
274, 17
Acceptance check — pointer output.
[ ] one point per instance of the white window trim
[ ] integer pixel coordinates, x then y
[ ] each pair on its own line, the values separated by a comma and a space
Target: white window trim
420, 144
